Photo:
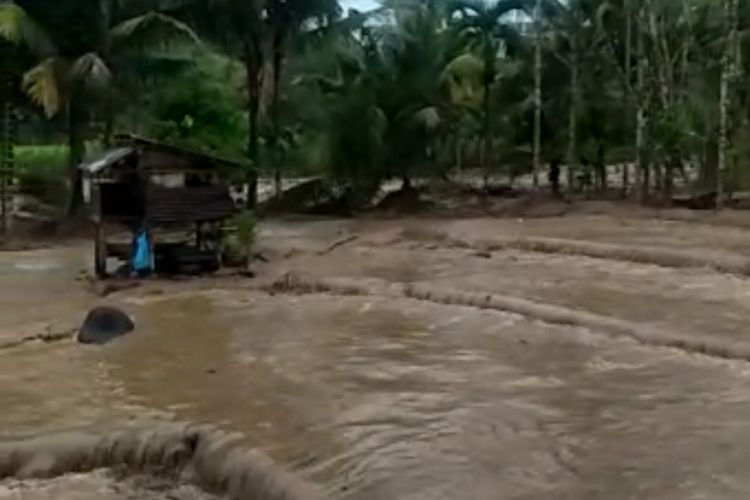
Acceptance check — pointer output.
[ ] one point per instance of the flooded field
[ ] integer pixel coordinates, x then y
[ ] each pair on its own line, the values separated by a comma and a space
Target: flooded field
386, 397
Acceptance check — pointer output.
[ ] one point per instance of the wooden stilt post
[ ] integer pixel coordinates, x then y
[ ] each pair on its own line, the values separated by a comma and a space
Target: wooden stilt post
100, 238
100, 251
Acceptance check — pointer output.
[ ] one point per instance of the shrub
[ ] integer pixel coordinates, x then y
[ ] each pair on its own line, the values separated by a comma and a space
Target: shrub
241, 240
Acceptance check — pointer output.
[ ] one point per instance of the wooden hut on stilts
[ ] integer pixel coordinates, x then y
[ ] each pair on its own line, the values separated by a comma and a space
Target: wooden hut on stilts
179, 197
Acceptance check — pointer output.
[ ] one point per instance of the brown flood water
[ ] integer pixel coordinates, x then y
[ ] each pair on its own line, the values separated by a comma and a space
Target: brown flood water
101, 485
376, 399
380, 399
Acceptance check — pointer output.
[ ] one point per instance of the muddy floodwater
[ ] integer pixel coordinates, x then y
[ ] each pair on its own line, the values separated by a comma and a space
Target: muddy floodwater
380, 396
101, 485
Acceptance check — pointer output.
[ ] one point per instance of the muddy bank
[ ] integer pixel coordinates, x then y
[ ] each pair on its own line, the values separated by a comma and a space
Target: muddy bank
214, 459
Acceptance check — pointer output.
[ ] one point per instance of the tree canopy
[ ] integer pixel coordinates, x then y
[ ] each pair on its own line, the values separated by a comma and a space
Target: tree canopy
649, 89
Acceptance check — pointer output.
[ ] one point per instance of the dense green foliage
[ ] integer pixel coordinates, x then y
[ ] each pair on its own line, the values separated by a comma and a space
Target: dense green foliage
41, 171
200, 108
415, 88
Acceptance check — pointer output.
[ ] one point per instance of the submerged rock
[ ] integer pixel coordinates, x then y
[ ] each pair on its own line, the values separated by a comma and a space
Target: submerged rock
104, 324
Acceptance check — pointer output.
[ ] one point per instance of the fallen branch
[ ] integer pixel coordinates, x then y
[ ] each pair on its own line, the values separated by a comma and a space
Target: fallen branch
47, 337
339, 243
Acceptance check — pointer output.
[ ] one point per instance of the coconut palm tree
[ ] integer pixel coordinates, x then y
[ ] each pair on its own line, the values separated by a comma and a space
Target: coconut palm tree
487, 32
285, 20
78, 56
383, 100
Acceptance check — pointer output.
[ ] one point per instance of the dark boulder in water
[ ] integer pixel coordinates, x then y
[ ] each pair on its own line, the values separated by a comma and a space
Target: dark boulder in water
104, 324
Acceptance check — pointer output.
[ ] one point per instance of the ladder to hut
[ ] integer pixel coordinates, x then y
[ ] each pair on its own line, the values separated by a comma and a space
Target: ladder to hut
8, 130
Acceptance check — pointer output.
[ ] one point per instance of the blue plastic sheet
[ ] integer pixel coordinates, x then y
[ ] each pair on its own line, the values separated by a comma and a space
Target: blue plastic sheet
141, 256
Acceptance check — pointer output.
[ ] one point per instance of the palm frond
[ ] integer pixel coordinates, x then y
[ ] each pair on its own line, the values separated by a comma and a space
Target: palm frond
151, 30
462, 78
90, 71
144, 67
326, 84
379, 122
427, 118
19, 28
466, 65
467, 7
42, 84
502, 7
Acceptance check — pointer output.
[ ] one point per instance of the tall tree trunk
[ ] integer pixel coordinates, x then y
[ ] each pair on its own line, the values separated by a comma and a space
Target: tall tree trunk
725, 99
740, 100
537, 94
76, 151
105, 21
663, 66
485, 155
278, 60
629, 76
641, 123
109, 121
253, 65
657, 170
573, 120
459, 154
488, 76
669, 167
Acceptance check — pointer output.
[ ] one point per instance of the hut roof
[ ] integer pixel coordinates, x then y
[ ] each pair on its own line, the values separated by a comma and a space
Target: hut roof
134, 140
130, 145
107, 160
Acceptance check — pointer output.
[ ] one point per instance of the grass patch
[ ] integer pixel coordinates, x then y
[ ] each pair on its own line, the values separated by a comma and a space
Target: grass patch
46, 158
42, 172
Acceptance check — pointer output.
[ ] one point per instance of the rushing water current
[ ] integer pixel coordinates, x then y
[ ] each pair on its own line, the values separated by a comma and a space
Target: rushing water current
375, 399
393, 399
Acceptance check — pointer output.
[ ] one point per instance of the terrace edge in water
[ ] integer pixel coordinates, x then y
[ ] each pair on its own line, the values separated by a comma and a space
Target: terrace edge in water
216, 459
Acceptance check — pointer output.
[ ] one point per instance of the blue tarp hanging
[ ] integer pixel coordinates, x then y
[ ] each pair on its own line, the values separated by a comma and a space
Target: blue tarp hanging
142, 254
